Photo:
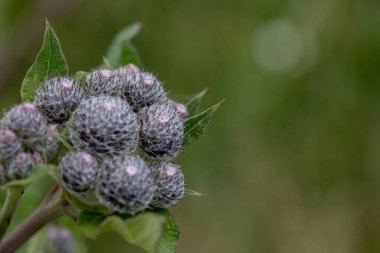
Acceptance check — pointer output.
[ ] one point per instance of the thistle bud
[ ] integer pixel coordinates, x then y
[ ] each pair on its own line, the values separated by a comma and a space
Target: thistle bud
26, 121
10, 144
20, 167
125, 184
161, 132
37, 158
170, 184
128, 69
49, 145
103, 82
180, 109
77, 172
142, 89
104, 126
58, 97
60, 240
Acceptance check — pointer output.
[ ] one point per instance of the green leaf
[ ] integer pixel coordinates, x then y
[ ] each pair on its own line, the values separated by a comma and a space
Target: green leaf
155, 232
86, 203
195, 126
143, 230
81, 77
169, 239
89, 223
107, 64
189, 192
194, 103
41, 170
64, 139
49, 62
121, 52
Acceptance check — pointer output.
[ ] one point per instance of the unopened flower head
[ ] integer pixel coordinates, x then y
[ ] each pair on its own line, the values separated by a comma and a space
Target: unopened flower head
10, 144
58, 97
103, 82
142, 89
60, 240
49, 144
125, 184
104, 126
37, 158
170, 184
25, 120
181, 109
128, 69
77, 172
20, 167
161, 132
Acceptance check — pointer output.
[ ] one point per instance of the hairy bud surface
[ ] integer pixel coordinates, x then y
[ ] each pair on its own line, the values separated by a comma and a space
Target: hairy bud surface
105, 126
170, 184
161, 132
58, 97
125, 184
77, 172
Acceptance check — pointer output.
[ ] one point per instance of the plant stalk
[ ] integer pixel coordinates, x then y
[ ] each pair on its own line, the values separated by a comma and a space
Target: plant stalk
46, 213
14, 194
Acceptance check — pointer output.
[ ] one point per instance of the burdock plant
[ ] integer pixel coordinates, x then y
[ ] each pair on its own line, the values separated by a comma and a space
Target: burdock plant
108, 138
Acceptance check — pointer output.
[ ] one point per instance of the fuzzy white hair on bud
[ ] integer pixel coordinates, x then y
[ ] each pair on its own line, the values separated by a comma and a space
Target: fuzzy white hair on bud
141, 89
49, 144
58, 97
104, 126
103, 82
77, 172
10, 144
20, 167
161, 132
26, 121
125, 184
170, 184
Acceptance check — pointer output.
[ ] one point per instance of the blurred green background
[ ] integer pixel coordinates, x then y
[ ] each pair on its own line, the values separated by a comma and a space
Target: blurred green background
291, 161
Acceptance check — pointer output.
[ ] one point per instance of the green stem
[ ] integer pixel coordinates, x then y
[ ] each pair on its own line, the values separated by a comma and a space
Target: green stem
46, 213
13, 196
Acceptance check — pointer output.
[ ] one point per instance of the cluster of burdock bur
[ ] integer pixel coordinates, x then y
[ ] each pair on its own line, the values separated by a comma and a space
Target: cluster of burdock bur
123, 130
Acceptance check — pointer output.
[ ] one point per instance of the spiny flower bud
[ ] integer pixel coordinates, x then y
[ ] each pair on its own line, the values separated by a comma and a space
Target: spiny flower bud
20, 167
26, 121
60, 240
128, 69
103, 82
170, 184
142, 89
127, 74
161, 132
104, 126
10, 145
181, 109
58, 97
77, 172
125, 184
37, 158
49, 144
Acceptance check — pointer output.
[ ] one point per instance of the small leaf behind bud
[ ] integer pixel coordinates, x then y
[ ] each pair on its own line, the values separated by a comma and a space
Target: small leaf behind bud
195, 126
49, 62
